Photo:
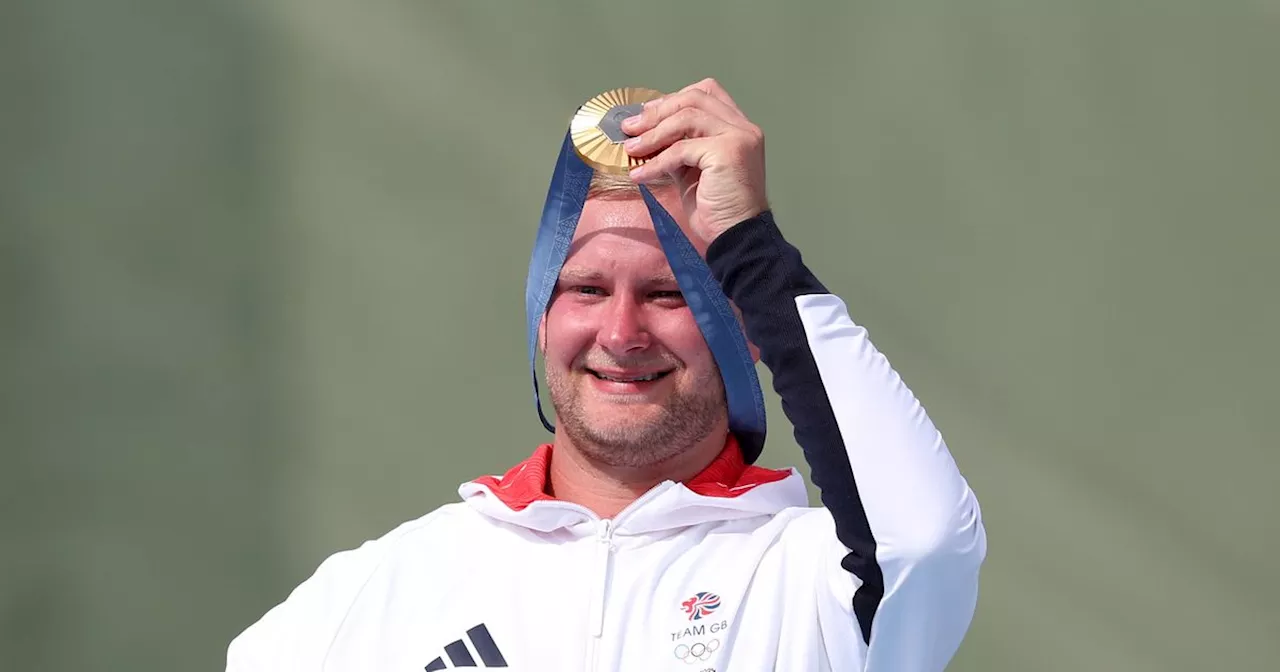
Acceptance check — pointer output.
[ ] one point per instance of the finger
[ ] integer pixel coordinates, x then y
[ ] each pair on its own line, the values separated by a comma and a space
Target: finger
721, 106
684, 153
689, 122
655, 111
713, 88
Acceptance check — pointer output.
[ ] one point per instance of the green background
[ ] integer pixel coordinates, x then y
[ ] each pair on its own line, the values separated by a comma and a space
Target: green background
262, 264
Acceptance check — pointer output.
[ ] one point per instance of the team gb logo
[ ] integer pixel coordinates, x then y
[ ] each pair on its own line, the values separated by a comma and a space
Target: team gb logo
701, 604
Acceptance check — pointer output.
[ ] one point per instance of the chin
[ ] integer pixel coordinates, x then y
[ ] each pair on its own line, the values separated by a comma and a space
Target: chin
625, 414
618, 434
628, 444
638, 426
622, 416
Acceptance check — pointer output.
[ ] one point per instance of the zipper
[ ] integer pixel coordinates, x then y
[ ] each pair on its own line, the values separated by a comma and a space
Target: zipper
603, 546
600, 571
600, 586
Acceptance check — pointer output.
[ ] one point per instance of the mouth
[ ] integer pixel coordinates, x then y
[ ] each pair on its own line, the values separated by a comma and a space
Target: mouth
621, 377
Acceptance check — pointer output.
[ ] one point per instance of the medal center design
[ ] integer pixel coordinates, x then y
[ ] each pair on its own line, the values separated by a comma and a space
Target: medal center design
611, 123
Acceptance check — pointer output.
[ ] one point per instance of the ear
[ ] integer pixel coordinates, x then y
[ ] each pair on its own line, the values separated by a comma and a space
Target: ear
755, 352
542, 335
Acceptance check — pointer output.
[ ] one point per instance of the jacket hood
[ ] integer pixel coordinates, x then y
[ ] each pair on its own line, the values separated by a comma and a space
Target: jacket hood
728, 489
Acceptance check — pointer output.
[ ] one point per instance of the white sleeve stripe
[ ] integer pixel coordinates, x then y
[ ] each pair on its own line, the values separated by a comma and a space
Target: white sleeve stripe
929, 537
912, 492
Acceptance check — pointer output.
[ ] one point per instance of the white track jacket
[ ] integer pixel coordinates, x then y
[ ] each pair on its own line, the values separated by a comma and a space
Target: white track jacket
731, 572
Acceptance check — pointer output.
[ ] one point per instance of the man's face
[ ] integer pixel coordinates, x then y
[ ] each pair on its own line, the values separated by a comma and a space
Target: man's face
629, 373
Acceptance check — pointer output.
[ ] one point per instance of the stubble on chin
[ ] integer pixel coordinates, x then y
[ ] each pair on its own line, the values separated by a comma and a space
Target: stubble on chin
624, 441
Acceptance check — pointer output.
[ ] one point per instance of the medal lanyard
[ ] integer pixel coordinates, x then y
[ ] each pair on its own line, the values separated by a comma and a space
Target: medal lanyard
702, 293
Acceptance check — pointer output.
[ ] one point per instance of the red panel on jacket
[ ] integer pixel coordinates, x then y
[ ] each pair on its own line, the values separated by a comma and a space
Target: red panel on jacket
727, 476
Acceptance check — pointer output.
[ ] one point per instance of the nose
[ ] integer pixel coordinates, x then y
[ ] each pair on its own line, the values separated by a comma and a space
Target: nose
623, 329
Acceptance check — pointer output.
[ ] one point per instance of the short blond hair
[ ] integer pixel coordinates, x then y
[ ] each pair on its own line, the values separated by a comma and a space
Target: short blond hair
611, 185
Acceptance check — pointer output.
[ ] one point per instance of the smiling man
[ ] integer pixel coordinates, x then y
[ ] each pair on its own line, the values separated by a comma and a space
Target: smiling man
642, 537
638, 394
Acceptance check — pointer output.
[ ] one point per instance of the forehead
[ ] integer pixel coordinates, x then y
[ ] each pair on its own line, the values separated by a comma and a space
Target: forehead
616, 219
612, 214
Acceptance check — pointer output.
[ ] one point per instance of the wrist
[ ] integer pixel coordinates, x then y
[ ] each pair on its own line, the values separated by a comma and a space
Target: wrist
729, 220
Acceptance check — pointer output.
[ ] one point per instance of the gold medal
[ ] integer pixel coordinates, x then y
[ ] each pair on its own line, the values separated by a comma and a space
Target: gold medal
596, 129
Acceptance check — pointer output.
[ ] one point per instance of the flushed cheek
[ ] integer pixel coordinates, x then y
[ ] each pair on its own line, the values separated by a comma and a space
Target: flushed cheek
566, 339
681, 337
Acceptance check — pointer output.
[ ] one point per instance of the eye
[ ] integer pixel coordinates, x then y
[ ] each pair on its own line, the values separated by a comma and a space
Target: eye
587, 290
667, 295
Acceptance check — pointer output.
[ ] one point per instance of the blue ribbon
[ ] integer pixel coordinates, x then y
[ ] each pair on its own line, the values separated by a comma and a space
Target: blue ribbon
702, 293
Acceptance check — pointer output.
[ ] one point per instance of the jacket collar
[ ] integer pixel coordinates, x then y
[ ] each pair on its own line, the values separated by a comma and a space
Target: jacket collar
727, 489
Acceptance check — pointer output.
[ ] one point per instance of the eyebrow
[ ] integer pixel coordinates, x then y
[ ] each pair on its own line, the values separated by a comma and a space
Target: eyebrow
587, 275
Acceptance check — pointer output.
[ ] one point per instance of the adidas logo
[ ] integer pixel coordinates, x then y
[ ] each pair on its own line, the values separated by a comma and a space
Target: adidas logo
460, 656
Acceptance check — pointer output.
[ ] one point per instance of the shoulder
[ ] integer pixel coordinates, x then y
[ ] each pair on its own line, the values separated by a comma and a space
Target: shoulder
806, 526
810, 533
295, 634
352, 567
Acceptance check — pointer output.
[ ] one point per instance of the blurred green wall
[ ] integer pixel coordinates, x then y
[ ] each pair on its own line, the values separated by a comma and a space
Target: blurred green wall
261, 271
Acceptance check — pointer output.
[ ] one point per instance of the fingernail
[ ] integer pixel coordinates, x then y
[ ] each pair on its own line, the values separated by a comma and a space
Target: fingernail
636, 173
632, 143
631, 121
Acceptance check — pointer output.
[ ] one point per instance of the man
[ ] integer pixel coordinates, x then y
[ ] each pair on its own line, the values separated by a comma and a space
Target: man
640, 538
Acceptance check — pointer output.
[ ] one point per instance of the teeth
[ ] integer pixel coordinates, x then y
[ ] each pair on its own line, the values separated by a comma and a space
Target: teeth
639, 379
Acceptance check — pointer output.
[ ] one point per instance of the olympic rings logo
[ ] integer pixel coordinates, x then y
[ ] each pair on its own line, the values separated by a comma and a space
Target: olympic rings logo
699, 651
